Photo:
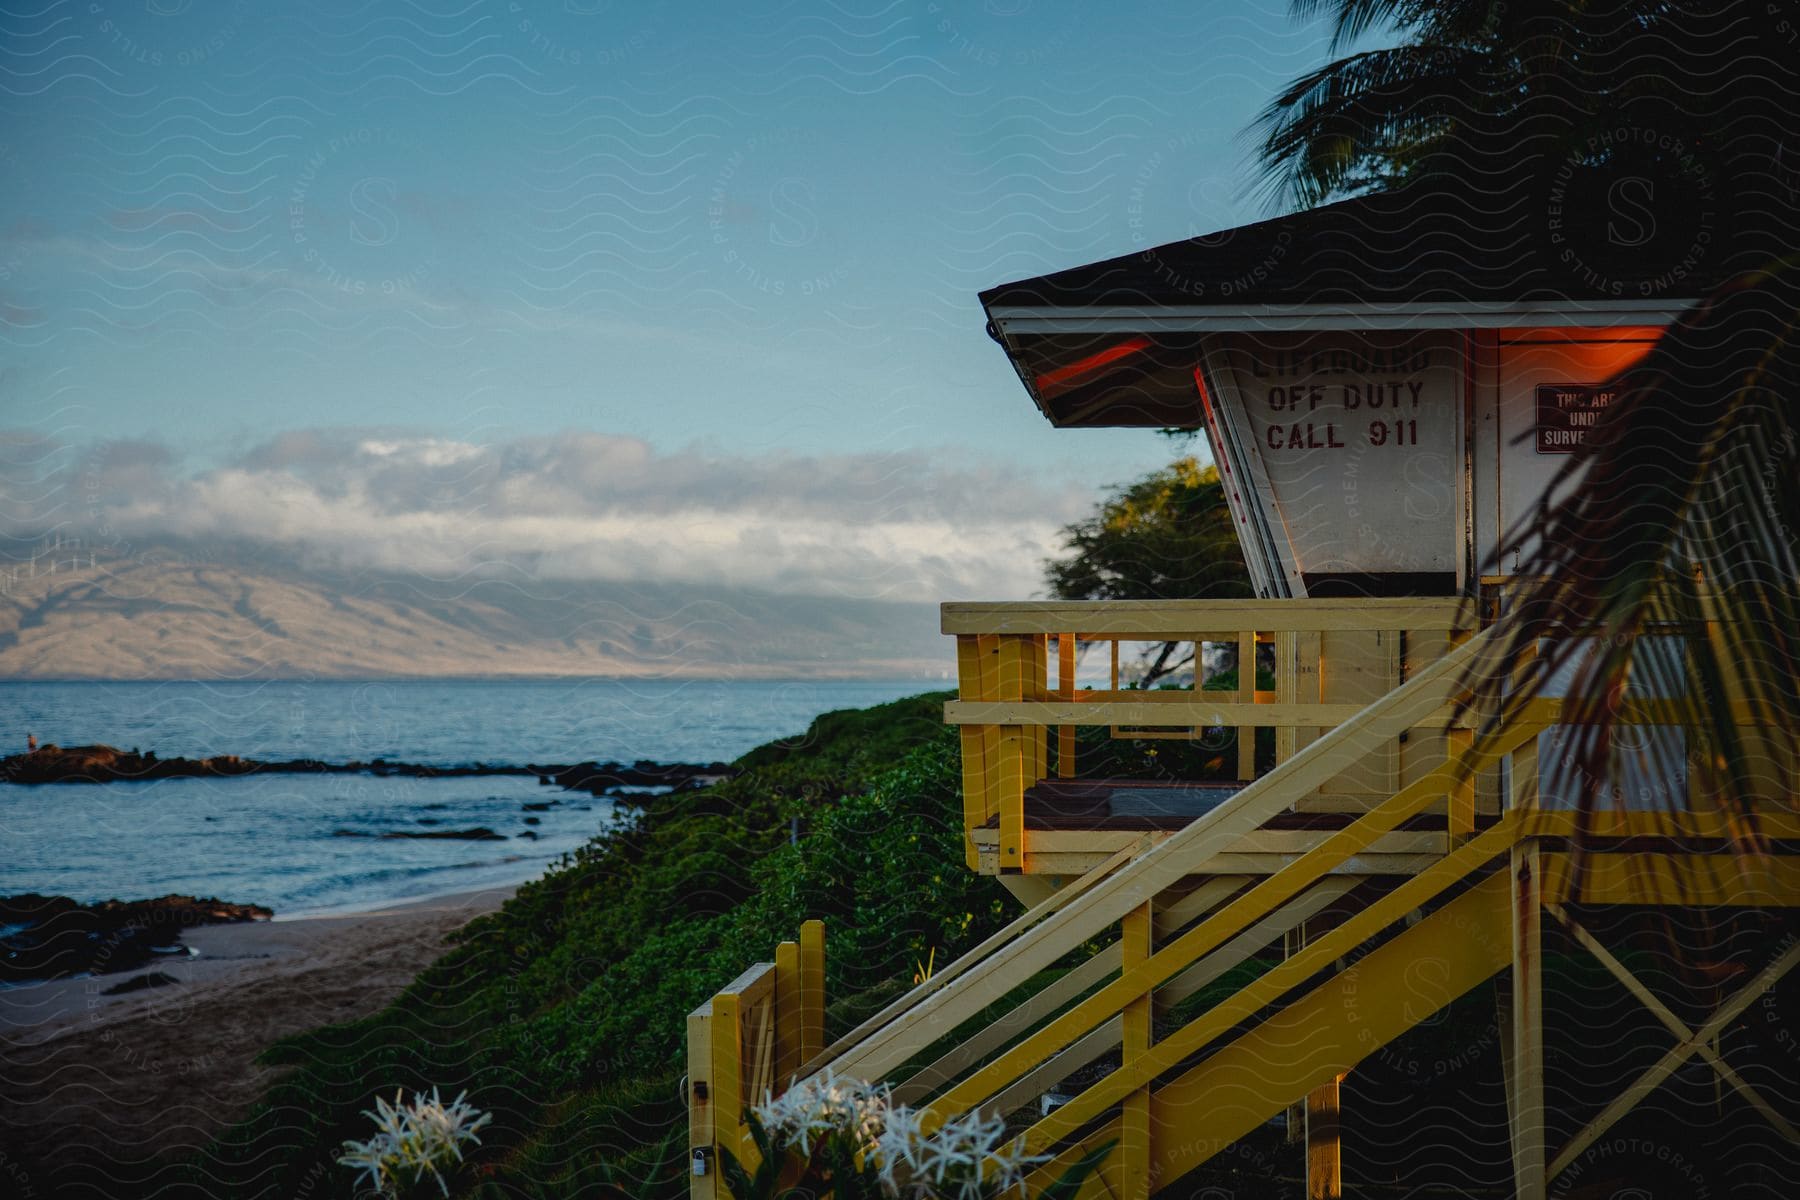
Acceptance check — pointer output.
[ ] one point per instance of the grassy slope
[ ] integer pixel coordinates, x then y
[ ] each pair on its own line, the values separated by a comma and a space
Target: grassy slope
564, 1013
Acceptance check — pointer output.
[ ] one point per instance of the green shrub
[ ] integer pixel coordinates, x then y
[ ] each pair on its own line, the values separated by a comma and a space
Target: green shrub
564, 1013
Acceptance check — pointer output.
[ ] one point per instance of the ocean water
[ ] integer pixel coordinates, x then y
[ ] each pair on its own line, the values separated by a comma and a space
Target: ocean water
310, 843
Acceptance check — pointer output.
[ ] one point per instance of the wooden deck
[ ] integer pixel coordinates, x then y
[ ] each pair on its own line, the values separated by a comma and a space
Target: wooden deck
1019, 716
1159, 805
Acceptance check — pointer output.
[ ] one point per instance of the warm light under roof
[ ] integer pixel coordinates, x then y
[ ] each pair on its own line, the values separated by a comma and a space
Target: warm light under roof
1065, 378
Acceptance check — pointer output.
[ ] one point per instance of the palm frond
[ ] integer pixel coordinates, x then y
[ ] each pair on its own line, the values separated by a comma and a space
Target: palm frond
1353, 18
1372, 106
1662, 564
1501, 80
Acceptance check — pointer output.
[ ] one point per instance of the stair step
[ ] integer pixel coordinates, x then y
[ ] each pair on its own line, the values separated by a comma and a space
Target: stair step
1185, 803
1122, 803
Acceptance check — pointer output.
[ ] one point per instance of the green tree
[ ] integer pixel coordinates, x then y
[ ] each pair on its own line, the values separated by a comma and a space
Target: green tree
1166, 536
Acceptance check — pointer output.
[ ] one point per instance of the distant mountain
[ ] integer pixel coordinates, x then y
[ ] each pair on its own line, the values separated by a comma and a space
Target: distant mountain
170, 619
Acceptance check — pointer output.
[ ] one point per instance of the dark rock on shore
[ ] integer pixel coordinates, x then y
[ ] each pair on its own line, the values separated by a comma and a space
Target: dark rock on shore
609, 778
137, 983
52, 936
479, 834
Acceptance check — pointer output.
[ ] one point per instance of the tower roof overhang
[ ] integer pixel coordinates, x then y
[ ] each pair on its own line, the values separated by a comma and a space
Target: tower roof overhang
1115, 343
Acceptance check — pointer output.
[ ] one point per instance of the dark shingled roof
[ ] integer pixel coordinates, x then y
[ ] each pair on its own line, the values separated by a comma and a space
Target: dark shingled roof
1536, 242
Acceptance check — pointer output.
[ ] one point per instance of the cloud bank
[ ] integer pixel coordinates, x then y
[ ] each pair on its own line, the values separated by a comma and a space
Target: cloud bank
579, 506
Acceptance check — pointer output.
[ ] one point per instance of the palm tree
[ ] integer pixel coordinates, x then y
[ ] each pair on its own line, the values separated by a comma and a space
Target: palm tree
1683, 509
1483, 91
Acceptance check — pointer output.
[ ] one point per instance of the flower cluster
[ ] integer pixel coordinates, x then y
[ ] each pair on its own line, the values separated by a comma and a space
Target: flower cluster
414, 1140
825, 1106
968, 1158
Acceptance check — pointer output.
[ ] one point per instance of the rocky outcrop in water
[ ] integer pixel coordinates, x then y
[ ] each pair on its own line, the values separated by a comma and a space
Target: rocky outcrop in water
480, 833
43, 937
108, 764
615, 779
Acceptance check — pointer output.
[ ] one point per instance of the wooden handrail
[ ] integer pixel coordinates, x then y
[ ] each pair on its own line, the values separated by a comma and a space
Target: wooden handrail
1106, 1037
1228, 923
744, 1042
1272, 984
1007, 704
997, 1084
1208, 620
1190, 708
968, 961
1171, 860
1147, 708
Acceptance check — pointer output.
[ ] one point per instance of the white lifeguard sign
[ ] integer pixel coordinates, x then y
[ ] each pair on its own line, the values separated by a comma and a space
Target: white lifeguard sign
1386, 386
1348, 446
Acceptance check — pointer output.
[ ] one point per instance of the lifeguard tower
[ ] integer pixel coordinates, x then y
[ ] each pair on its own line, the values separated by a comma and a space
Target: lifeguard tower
1386, 387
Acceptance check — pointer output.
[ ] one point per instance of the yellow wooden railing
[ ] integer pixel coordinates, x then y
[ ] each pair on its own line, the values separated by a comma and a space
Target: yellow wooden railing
748, 1042
1170, 924
1331, 659
1119, 889
1465, 905
1170, 933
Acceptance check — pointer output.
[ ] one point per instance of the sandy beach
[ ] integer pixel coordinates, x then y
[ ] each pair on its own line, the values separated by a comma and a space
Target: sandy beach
164, 1068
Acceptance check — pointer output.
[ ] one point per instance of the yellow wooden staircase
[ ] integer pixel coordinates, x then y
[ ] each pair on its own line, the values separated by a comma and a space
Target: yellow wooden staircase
1117, 1047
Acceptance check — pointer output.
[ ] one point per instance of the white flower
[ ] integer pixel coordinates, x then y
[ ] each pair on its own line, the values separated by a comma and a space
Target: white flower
1010, 1165
966, 1159
954, 1154
897, 1150
823, 1105
415, 1139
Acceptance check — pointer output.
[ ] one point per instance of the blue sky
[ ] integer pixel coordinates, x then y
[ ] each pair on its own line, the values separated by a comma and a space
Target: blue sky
743, 232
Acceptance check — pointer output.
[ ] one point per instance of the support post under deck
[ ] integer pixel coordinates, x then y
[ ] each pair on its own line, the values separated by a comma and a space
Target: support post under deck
1324, 1147
1135, 943
1525, 1093
1317, 1118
